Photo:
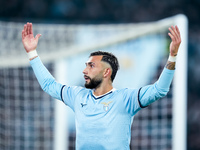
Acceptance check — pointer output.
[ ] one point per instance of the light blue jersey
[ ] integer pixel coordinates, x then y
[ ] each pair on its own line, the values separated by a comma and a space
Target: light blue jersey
103, 122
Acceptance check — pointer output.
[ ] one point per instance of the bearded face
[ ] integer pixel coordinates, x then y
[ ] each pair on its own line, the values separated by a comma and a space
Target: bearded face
94, 72
92, 83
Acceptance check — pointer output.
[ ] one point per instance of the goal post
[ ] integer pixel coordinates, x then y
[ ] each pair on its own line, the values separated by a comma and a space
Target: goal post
61, 48
179, 135
180, 89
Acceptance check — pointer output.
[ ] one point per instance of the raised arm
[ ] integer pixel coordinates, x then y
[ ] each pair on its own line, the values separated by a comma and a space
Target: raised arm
150, 93
45, 79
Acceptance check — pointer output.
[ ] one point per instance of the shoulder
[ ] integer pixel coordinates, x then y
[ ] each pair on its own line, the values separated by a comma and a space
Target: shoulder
75, 89
70, 93
126, 92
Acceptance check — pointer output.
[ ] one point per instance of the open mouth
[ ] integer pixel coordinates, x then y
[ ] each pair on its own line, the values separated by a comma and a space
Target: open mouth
86, 78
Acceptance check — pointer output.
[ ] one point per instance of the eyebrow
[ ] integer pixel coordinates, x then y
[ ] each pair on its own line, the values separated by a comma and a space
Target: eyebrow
89, 63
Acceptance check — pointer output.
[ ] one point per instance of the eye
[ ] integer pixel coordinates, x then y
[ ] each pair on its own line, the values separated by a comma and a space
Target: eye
91, 65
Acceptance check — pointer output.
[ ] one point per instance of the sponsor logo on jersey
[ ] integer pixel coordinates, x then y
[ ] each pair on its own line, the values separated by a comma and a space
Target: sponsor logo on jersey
83, 104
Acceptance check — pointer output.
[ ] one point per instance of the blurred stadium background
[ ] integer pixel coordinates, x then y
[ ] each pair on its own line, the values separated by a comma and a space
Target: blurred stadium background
83, 12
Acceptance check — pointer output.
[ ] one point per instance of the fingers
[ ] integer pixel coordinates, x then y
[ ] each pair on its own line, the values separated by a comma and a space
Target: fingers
31, 28
177, 29
37, 36
171, 36
28, 29
24, 33
25, 30
174, 34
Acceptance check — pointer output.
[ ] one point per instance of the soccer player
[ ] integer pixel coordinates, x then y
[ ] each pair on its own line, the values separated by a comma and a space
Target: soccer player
103, 114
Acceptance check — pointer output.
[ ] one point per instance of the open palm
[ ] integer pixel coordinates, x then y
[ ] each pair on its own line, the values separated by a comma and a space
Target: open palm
176, 40
29, 41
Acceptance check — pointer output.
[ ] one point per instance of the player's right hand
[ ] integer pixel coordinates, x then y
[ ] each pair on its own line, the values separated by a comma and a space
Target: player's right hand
29, 41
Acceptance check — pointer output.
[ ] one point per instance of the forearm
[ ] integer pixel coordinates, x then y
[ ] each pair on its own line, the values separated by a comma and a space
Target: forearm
45, 79
170, 65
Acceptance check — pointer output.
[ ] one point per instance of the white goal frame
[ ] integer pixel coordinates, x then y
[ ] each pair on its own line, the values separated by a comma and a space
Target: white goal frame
179, 121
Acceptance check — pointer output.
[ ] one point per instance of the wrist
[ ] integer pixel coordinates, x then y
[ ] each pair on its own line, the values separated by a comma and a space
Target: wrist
173, 54
172, 58
32, 54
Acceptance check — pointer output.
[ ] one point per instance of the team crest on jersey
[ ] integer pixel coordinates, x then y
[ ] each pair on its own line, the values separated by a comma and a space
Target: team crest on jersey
106, 105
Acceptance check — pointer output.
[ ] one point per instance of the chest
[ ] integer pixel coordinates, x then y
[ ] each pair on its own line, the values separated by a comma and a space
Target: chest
89, 109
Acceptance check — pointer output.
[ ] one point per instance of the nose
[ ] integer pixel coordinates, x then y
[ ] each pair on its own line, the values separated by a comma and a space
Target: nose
85, 71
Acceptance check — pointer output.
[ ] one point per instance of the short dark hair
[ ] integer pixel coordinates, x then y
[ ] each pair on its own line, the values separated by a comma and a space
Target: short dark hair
110, 59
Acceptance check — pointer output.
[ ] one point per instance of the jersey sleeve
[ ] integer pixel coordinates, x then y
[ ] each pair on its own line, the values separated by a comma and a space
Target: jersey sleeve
69, 94
45, 79
150, 93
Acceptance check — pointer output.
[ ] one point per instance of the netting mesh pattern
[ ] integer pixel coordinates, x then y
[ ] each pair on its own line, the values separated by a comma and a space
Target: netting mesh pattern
65, 39
26, 112
61, 41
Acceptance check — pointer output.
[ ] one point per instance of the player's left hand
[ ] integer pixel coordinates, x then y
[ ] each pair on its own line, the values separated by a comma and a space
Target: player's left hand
176, 40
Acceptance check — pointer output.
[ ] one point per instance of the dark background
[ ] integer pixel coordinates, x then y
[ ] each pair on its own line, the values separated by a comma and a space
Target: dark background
122, 11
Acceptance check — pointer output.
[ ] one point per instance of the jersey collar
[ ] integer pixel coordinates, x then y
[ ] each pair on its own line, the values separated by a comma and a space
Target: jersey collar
100, 96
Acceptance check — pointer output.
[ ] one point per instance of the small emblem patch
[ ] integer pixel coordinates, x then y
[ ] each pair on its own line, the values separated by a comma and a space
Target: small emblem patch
106, 105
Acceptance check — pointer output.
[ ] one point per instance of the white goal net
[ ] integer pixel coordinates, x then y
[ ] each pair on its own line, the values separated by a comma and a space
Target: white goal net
30, 119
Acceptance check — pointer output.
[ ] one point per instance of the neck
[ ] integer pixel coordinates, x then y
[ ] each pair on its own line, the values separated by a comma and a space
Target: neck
103, 89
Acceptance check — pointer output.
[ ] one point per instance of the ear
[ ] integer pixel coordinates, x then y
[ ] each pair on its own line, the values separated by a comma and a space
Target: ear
107, 73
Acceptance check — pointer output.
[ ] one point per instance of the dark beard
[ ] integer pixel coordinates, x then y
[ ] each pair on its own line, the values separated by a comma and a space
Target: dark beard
93, 84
